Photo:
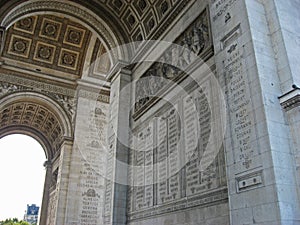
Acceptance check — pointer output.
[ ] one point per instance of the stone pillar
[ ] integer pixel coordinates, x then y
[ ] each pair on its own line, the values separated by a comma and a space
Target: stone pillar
63, 180
261, 179
284, 20
85, 200
291, 104
118, 135
45, 201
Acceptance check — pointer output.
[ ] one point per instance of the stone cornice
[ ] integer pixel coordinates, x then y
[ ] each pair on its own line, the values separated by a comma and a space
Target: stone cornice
202, 200
291, 99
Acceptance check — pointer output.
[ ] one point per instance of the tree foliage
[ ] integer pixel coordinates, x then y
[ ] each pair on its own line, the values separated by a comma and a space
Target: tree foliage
13, 221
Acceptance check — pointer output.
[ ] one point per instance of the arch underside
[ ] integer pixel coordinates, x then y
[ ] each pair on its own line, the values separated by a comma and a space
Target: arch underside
29, 113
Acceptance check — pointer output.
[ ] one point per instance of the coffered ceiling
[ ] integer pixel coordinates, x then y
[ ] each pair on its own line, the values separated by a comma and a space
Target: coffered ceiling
52, 45
57, 38
142, 19
48, 42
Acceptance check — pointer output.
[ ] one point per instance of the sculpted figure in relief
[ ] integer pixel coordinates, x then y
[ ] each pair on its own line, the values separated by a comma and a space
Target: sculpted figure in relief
6, 88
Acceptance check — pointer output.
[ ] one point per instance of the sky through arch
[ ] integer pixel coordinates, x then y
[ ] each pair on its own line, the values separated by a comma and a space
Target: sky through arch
22, 175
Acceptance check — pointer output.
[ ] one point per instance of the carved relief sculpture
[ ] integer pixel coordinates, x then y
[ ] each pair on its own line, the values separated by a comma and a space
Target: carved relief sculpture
195, 41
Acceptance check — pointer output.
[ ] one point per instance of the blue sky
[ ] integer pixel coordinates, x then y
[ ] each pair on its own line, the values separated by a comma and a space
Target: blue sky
22, 175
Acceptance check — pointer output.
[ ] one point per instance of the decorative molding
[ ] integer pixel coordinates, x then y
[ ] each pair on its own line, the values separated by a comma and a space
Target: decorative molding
2, 38
291, 99
101, 95
291, 103
61, 95
211, 198
36, 85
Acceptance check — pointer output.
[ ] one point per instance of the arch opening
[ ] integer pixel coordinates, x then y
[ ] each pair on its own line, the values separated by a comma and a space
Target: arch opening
22, 174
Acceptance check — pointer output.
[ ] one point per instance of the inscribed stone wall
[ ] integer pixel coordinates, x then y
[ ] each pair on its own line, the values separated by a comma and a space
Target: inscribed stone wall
87, 189
240, 106
234, 62
171, 140
165, 158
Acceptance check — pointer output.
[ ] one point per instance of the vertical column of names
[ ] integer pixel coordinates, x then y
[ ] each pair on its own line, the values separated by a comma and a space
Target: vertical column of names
139, 171
191, 138
239, 101
174, 157
162, 157
149, 173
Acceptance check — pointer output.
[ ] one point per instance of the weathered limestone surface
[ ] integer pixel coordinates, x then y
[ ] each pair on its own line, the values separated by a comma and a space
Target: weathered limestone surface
199, 128
86, 186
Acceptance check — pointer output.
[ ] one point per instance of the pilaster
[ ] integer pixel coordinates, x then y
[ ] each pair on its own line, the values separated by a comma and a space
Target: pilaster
86, 185
259, 163
290, 102
45, 201
118, 135
63, 180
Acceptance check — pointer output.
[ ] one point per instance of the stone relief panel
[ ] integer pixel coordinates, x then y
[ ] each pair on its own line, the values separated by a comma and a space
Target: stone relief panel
52, 206
50, 29
195, 41
19, 46
63, 96
26, 25
48, 41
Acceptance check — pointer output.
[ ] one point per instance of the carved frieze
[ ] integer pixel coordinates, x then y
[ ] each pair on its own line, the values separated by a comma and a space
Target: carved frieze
6, 88
195, 41
66, 99
52, 207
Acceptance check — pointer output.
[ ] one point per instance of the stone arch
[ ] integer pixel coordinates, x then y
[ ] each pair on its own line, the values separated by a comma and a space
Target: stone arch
111, 36
38, 116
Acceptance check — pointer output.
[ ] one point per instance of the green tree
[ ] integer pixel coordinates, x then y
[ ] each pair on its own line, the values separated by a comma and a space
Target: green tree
13, 221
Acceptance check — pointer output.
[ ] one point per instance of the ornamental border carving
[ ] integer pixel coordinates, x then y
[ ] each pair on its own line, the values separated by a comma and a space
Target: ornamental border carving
37, 85
291, 103
211, 198
63, 96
